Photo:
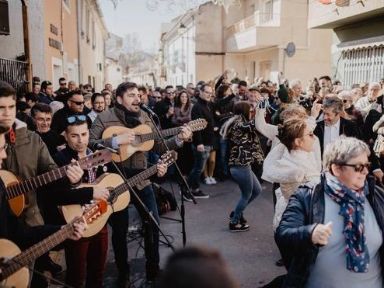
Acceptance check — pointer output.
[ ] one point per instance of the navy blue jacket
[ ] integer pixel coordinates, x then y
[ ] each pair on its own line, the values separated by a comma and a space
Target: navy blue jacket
304, 211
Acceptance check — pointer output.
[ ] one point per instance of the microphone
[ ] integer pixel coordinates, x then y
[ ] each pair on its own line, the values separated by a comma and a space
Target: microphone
98, 146
145, 108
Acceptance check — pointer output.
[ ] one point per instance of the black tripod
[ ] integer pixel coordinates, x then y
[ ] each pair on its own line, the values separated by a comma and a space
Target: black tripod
183, 183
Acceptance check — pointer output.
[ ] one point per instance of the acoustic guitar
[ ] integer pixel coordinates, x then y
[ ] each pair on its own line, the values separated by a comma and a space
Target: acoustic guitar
16, 190
119, 195
144, 137
13, 262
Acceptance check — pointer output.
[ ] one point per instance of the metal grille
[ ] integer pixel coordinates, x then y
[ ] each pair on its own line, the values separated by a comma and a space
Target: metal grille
15, 73
363, 65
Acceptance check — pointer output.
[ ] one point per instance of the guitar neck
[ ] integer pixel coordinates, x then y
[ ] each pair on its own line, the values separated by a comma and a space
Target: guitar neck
164, 133
28, 256
132, 182
35, 182
41, 180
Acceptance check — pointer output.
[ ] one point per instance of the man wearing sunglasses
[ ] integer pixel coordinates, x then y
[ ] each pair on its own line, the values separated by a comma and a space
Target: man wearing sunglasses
165, 108
74, 106
78, 253
63, 90
127, 113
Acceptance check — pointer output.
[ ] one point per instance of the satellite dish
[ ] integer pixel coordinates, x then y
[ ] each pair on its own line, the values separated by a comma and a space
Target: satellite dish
291, 49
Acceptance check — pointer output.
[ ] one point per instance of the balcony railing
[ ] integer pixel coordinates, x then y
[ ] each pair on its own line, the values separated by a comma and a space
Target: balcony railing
258, 19
15, 73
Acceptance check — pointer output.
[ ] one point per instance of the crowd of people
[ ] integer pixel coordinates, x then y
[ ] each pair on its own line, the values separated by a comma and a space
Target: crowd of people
320, 146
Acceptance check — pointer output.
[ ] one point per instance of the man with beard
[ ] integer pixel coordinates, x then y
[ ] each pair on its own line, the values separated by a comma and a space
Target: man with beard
98, 105
127, 113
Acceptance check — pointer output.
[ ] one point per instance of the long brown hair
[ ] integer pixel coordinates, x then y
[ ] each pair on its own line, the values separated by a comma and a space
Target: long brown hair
178, 101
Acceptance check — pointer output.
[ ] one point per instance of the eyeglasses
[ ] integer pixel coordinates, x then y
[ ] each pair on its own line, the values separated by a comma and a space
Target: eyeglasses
358, 167
62, 84
4, 147
78, 103
75, 118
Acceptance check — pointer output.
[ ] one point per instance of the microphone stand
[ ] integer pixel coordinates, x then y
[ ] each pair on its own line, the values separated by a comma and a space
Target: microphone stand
142, 206
183, 182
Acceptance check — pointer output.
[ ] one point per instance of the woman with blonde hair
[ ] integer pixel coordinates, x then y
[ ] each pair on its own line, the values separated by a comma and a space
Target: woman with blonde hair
297, 165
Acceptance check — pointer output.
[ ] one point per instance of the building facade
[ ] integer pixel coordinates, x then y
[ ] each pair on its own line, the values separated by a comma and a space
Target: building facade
358, 39
250, 39
66, 39
61, 57
92, 36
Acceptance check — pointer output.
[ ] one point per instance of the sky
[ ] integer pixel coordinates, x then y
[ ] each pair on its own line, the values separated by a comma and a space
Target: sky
136, 16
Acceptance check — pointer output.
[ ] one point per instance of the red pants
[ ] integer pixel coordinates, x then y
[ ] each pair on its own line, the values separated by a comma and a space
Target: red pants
86, 260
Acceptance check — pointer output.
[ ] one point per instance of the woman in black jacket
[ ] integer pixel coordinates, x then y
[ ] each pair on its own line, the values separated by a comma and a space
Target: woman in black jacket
331, 235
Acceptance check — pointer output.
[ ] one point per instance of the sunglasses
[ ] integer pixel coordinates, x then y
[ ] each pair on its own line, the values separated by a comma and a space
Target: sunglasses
76, 118
4, 147
358, 167
61, 84
78, 103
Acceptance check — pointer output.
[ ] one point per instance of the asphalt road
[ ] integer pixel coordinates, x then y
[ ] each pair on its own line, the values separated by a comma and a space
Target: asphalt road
250, 255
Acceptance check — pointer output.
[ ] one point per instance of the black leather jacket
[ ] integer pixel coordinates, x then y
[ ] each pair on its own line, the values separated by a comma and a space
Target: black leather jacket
293, 236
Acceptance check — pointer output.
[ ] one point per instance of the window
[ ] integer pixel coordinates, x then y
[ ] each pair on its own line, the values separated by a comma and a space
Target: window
268, 11
93, 35
87, 20
362, 65
67, 4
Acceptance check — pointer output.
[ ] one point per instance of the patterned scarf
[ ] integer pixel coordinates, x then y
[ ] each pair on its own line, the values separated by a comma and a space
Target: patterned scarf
352, 209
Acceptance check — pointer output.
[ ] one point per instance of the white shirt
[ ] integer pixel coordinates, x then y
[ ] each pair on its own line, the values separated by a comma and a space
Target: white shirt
331, 133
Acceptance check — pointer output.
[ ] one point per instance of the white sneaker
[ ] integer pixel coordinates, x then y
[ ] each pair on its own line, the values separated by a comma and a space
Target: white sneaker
213, 181
208, 181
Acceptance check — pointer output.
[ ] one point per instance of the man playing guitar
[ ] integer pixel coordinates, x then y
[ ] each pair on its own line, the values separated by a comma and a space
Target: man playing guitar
28, 156
127, 113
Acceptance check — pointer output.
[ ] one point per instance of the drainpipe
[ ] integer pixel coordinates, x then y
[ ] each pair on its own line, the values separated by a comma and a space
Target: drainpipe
79, 22
27, 50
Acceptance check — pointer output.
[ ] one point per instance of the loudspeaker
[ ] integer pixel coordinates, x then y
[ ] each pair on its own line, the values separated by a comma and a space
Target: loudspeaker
4, 17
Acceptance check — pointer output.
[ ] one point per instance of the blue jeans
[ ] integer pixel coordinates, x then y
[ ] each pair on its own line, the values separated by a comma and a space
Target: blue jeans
223, 157
249, 186
200, 158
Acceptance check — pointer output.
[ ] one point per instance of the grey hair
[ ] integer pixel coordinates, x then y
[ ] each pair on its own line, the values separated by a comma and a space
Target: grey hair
294, 83
335, 103
342, 150
345, 94
374, 84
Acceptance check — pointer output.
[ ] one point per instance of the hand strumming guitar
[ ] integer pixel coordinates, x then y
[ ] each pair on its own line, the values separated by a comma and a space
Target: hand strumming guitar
100, 193
125, 138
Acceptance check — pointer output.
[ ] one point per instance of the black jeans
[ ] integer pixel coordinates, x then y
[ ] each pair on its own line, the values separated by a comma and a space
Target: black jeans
119, 224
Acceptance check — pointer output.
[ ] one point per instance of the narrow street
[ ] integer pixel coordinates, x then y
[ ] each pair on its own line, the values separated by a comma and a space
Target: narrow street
250, 255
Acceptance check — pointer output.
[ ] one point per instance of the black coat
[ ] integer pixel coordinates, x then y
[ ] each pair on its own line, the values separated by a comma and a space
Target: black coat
14, 229
347, 128
293, 236
161, 109
50, 200
203, 109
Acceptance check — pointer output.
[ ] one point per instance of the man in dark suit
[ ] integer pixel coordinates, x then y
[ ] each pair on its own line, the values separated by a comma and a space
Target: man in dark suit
333, 126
